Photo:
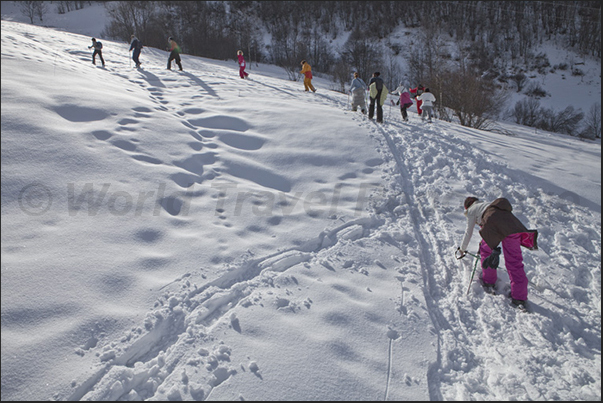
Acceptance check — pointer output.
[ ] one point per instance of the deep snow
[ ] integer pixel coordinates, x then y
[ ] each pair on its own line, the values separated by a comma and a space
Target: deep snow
190, 235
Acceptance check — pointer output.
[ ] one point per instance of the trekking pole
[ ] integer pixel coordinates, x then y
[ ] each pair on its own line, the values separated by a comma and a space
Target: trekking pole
472, 274
459, 257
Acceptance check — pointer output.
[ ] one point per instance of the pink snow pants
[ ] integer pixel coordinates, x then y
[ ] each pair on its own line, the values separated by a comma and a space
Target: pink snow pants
242, 72
511, 247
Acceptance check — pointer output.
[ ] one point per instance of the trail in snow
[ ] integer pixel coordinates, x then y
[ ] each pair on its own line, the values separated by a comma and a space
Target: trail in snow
414, 212
326, 294
463, 322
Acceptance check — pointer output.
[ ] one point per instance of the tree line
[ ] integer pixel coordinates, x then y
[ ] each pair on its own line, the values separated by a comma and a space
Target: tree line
492, 39
495, 42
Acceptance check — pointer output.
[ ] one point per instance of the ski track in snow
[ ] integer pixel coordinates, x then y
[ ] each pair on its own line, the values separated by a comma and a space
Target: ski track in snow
459, 322
457, 319
410, 225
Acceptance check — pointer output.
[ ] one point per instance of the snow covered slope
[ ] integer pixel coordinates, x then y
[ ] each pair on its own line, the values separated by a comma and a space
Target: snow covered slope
191, 235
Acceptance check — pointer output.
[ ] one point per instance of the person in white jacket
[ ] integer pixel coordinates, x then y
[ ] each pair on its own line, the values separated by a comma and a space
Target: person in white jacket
499, 226
428, 99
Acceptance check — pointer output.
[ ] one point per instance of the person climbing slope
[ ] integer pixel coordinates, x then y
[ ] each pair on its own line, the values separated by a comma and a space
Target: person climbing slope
416, 92
405, 100
135, 48
378, 95
242, 65
98, 46
427, 99
498, 225
307, 72
358, 91
174, 54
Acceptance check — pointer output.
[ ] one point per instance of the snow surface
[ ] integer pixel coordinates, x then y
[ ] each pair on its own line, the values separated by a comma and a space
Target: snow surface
192, 236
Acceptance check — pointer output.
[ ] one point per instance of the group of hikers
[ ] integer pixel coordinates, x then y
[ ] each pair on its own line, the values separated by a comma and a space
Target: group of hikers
136, 48
378, 95
498, 226
377, 90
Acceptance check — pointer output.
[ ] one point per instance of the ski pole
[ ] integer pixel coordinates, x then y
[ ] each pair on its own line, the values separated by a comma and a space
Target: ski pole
462, 255
472, 274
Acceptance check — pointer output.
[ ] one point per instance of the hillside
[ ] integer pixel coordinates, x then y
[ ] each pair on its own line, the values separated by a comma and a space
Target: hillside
192, 236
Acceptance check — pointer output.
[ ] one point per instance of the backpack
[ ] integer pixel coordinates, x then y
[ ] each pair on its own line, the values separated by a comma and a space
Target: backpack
99, 45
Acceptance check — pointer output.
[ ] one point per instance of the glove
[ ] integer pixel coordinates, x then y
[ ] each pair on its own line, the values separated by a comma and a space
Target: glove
492, 261
398, 103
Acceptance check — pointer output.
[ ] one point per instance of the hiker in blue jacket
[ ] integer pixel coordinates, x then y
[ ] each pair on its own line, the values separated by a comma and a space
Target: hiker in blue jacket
136, 47
358, 91
98, 46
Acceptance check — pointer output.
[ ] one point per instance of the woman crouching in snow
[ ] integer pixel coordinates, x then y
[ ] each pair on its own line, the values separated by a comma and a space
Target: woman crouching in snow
498, 224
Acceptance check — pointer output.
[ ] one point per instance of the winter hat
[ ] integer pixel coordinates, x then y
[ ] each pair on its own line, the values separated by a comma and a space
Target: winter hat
469, 202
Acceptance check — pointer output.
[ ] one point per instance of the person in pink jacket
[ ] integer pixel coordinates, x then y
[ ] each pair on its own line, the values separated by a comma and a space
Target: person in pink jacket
405, 101
242, 73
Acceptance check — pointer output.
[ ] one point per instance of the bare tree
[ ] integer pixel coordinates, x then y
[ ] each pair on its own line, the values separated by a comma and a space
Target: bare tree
520, 80
565, 121
28, 9
473, 100
128, 17
592, 123
41, 10
342, 73
362, 55
526, 112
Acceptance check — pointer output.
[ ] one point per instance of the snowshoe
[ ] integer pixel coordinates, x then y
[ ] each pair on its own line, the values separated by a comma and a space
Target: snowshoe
519, 304
488, 288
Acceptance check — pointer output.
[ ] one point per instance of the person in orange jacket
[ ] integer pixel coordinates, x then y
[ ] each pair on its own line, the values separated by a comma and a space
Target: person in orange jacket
307, 72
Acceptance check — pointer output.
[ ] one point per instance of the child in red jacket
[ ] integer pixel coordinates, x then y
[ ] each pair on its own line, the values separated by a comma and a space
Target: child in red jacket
242, 65
415, 92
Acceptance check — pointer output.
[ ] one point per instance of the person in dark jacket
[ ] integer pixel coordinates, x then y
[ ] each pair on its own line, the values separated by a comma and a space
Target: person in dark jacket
136, 47
376, 96
499, 225
98, 46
